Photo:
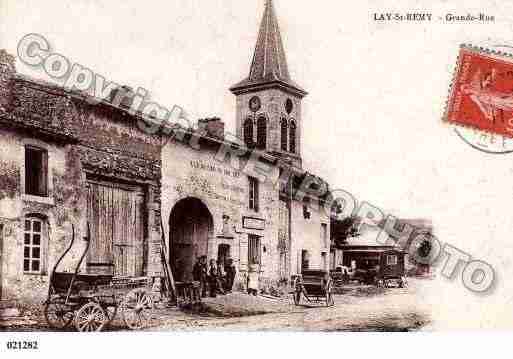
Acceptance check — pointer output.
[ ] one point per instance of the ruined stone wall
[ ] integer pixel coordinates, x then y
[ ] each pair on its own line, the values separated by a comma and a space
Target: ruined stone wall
64, 205
82, 140
7, 71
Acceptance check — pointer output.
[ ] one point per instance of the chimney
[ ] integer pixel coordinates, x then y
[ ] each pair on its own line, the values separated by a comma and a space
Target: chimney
122, 96
7, 71
213, 126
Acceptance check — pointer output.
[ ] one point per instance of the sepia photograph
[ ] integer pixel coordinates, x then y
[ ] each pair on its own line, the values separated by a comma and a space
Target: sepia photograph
233, 167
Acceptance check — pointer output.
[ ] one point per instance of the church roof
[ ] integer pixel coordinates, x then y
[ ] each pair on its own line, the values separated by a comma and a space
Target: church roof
269, 64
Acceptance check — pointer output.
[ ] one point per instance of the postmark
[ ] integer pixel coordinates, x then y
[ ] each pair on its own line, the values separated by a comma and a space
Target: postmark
481, 95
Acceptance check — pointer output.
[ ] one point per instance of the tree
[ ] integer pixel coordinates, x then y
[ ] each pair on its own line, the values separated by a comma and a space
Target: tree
343, 229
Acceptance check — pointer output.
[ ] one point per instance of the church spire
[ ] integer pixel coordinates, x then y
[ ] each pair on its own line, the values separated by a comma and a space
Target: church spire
269, 64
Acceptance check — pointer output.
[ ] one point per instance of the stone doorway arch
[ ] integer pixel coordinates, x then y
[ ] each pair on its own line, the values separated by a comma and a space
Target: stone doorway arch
191, 226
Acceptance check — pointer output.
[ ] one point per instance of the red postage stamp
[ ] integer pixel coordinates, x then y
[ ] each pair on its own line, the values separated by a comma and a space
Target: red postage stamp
481, 96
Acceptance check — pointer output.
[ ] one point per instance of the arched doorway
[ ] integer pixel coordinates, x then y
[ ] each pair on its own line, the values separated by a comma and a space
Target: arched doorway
190, 226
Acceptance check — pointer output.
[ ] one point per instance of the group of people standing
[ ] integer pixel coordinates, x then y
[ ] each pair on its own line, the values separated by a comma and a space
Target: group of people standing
215, 277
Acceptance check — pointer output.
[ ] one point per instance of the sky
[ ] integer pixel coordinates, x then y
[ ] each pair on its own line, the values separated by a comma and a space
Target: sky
372, 122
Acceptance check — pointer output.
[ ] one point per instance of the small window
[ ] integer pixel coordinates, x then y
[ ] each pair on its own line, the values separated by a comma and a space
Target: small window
36, 171
253, 249
292, 135
284, 134
248, 133
33, 245
324, 234
305, 260
262, 133
289, 106
306, 208
253, 194
391, 260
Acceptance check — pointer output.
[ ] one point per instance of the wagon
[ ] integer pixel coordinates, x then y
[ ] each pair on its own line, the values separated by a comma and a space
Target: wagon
314, 286
91, 301
381, 267
390, 270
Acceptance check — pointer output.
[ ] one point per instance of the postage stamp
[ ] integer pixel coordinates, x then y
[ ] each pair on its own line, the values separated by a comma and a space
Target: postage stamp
481, 96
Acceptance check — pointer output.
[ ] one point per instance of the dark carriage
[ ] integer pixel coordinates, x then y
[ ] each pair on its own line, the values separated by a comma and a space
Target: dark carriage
391, 269
91, 301
314, 286
380, 267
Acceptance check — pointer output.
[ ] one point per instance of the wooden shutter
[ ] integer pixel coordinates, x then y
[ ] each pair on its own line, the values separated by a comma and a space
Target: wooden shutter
43, 180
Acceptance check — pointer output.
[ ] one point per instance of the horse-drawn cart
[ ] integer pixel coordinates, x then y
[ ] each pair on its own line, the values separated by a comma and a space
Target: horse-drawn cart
315, 286
91, 301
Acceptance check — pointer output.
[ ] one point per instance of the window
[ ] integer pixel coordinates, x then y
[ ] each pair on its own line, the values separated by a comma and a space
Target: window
253, 249
391, 260
292, 134
324, 261
262, 133
306, 208
33, 245
324, 234
305, 260
36, 171
284, 134
253, 194
248, 132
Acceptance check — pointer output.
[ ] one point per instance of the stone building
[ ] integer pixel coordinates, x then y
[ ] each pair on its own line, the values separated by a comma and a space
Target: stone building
221, 209
69, 160
65, 161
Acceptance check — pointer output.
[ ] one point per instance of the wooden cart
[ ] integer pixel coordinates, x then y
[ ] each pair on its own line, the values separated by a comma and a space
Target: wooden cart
91, 301
315, 286
391, 269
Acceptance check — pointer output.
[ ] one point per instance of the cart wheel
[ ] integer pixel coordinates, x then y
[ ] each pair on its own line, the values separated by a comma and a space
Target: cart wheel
111, 312
58, 315
297, 297
329, 295
403, 283
91, 318
135, 308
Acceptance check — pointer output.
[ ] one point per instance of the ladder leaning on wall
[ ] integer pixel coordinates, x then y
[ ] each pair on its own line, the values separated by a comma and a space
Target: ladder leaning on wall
168, 274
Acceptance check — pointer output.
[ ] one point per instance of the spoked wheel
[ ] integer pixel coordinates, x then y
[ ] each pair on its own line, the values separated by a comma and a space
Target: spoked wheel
403, 283
297, 297
329, 295
136, 308
91, 318
58, 315
111, 312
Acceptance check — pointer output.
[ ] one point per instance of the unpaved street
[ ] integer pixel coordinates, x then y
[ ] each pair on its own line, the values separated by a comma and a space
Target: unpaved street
357, 308
366, 309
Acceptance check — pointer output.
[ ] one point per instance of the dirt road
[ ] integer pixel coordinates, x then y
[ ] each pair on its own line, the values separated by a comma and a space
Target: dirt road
356, 309
387, 310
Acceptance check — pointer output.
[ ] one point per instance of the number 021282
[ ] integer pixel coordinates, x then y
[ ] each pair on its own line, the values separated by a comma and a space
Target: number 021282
22, 345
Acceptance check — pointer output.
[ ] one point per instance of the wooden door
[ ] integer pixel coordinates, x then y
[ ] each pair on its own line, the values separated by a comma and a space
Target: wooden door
116, 217
189, 234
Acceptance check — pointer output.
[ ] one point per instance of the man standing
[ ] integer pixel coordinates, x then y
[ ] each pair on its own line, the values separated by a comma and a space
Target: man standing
212, 278
230, 274
200, 273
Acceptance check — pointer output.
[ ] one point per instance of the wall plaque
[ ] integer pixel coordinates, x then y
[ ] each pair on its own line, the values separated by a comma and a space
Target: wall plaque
253, 223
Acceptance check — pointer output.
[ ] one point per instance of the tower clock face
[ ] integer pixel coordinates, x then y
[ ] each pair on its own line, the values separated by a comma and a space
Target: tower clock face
289, 106
255, 104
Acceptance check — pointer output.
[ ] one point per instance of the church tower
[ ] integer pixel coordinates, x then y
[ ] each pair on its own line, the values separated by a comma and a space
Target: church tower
268, 101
